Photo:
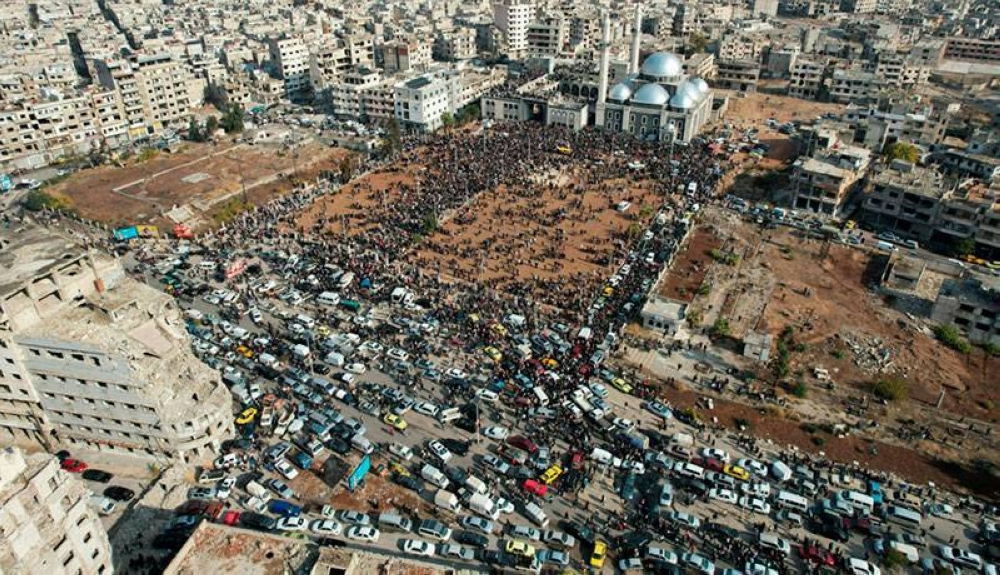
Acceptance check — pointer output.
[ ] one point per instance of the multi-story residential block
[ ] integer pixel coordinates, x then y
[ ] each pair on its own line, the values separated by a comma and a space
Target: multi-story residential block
512, 18
290, 59
963, 163
972, 305
420, 103
972, 49
92, 359
765, 8
701, 65
47, 524
156, 91
853, 85
904, 199
406, 55
739, 46
456, 44
585, 32
876, 126
547, 37
741, 76
822, 183
806, 79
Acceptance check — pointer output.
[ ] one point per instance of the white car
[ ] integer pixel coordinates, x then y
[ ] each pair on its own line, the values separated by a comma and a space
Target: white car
961, 557
753, 466
477, 524
559, 539
363, 533
722, 495
713, 453
755, 504
685, 518
698, 563
401, 451
398, 354
525, 532
456, 373
352, 517
417, 547
501, 466
456, 551
487, 395
225, 488
862, 567
291, 524
662, 554
426, 408
439, 450
356, 368
599, 390
504, 506
496, 432
325, 527
625, 425
286, 469
756, 488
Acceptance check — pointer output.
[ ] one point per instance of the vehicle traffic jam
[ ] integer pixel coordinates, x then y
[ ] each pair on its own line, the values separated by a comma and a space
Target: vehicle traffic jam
527, 449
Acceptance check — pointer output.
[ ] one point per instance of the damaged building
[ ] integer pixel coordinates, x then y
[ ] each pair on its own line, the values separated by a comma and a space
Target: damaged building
90, 358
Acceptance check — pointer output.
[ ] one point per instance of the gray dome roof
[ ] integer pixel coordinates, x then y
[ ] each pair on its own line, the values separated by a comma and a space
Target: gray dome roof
651, 95
690, 89
682, 100
662, 65
702, 85
620, 92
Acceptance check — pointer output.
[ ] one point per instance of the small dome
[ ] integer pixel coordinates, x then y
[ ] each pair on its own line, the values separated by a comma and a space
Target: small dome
690, 89
662, 65
702, 85
682, 100
651, 95
620, 92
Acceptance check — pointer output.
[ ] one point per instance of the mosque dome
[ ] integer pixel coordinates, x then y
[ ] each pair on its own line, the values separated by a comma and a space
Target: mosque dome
689, 88
701, 84
651, 95
620, 92
662, 65
682, 100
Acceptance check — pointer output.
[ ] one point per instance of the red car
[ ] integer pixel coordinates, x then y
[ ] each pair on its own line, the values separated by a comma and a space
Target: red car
522, 443
73, 465
535, 488
230, 518
711, 464
817, 555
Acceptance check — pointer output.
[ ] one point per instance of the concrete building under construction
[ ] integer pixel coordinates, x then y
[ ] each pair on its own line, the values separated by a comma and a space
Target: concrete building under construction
90, 358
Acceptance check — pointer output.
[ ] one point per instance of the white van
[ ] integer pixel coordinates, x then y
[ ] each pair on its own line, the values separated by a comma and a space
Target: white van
903, 516
536, 515
104, 505
434, 475
859, 501
543, 398
361, 443
306, 321
345, 280
335, 359
476, 484
601, 456
780, 472
328, 298
911, 553
789, 500
689, 470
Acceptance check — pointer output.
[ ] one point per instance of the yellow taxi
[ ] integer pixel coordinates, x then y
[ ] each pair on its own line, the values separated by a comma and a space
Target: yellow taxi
550, 363
323, 331
600, 553
247, 416
736, 471
399, 470
518, 547
395, 421
493, 353
245, 351
551, 474
621, 385
499, 329
850, 225
608, 291
564, 149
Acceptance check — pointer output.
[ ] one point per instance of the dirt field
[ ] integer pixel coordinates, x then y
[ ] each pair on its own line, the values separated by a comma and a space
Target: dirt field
755, 109
201, 175
359, 204
690, 267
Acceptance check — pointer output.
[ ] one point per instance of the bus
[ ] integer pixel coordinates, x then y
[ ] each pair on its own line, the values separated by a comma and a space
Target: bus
350, 304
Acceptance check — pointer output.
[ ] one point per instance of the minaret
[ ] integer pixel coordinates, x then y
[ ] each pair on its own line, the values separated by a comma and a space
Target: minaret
602, 84
633, 67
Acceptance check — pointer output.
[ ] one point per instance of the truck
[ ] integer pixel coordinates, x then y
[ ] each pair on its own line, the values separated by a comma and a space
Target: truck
446, 500
480, 504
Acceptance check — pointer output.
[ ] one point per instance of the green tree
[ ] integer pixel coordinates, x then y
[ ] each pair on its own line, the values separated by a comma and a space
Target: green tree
963, 247
891, 389
634, 230
232, 119
949, 336
902, 151
37, 200
211, 126
430, 223
720, 328
697, 43
393, 138
194, 131
448, 120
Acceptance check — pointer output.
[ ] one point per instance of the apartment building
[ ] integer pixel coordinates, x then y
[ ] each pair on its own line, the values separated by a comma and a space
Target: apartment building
547, 37
823, 182
406, 55
806, 79
92, 359
456, 44
738, 46
512, 18
904, 199
972, 49
875, 126
290, 61
972, 305
585, 32
362, 93
764, 8
155, 91
853, 85
740, 75
420, 102
46, 522
900, 70
985, 167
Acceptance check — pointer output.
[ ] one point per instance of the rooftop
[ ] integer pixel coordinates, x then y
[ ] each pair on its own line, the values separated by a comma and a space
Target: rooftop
28, 251
214, 548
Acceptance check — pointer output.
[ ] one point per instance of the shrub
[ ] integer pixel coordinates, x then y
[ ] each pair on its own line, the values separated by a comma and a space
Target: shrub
818, 441
37, 200
949, 336
895, 560
720, 328
891, 389
838, 353
800, 390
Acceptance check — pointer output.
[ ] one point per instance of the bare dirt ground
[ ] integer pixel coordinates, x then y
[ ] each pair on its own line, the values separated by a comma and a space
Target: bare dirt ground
755, 109
199, 175
690, 267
